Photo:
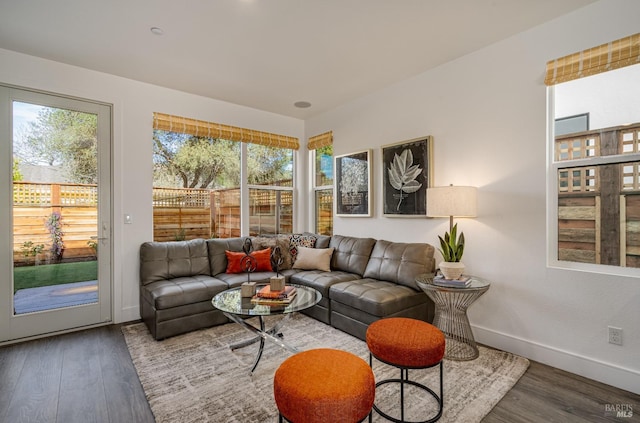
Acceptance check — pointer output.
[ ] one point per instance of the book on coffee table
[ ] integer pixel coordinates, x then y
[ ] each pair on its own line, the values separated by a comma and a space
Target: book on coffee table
267, 297
462, 282
266, 292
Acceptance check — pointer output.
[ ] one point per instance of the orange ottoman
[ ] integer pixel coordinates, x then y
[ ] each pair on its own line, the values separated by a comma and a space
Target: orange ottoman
406, 344
324, 385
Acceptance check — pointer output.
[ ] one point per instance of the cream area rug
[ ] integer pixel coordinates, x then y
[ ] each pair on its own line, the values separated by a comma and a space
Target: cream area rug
197, 378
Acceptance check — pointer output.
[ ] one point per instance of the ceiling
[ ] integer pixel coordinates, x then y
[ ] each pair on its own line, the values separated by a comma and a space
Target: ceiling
267, 54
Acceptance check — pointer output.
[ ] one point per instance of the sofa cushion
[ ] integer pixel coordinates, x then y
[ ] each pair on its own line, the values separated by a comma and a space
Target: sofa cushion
322, 241
378, 298
167, 260
399, 262
351, 254
322, 281
163, 294
234, 280
217, 256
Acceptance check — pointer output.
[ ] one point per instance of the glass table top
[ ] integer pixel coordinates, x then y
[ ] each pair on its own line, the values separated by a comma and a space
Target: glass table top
230, 301
426, 282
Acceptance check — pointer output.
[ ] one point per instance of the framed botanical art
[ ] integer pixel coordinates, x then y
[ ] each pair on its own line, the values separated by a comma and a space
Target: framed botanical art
407, 172
353, 184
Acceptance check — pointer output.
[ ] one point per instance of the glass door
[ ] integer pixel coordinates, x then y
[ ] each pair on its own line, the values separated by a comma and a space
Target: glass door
55, 219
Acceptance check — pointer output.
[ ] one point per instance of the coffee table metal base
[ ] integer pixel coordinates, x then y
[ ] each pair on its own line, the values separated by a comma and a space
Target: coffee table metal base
273, 335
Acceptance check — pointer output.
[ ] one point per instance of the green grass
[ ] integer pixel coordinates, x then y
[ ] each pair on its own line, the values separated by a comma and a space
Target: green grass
54, 274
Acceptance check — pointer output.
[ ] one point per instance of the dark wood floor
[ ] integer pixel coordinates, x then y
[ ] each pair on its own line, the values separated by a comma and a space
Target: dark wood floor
88, 376
83, 377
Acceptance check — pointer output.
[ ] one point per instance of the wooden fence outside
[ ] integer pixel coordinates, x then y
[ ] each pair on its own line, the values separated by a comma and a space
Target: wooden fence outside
183, 213
324, 209
599, 206
34, 203
178, 214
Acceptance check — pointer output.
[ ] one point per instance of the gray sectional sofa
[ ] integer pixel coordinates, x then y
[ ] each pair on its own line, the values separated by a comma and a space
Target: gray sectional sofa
369, 279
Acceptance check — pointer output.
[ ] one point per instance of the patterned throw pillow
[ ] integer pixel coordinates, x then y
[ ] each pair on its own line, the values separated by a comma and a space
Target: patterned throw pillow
281, 241
300, 240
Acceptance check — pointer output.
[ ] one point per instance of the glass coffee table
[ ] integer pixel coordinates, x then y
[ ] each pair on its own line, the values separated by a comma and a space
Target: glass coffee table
239, 309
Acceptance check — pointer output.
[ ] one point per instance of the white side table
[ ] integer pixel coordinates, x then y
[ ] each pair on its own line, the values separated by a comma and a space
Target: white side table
451, 314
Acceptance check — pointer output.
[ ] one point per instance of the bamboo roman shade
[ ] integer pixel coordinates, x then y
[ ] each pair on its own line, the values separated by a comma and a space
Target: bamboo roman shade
319, 141
202, 128
606, 57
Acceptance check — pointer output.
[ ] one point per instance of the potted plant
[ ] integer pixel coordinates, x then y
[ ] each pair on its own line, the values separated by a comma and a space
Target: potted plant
452, 248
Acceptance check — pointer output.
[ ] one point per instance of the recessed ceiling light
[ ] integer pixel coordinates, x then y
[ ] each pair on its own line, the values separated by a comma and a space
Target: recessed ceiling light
302, 104
156, 31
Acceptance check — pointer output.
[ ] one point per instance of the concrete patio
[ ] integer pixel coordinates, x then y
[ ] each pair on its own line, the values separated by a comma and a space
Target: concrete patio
31, 300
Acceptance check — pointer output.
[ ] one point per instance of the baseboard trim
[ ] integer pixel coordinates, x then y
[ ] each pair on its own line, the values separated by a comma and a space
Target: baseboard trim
127, 314
611, 374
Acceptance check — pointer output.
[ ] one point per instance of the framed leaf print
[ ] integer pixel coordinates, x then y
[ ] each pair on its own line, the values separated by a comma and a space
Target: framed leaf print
407, 172
353, 184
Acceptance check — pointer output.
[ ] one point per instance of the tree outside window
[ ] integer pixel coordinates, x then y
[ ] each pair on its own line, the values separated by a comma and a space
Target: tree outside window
197, 187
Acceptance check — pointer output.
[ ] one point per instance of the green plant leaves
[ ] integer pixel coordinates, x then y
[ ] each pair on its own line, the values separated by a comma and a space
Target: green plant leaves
452, 246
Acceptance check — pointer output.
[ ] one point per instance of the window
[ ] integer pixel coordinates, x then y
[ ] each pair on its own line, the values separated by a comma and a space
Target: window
594, 192
198, 189
270, 189
571, 124
321, 147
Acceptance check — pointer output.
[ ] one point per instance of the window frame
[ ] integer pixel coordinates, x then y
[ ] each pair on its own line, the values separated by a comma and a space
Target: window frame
316, 188
245, 187
553, 167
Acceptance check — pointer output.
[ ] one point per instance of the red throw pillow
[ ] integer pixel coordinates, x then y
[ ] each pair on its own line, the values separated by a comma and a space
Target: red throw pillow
263, 260
263, 257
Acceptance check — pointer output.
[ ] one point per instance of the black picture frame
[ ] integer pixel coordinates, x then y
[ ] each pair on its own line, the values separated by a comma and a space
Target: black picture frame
353, 184
407, 172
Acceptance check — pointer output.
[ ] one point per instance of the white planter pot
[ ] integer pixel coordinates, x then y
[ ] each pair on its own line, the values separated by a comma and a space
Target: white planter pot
451, 270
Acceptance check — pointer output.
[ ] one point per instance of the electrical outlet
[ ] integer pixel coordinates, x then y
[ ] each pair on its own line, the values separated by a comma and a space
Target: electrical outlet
615, 335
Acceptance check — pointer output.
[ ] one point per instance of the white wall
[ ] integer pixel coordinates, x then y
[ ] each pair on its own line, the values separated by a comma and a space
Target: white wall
610, 98
133, 107
487, 113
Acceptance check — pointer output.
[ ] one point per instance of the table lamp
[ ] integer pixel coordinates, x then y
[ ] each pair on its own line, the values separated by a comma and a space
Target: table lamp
452, 201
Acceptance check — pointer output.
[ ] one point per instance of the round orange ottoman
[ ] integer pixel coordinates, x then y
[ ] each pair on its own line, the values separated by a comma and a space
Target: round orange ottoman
407, 344
324, 385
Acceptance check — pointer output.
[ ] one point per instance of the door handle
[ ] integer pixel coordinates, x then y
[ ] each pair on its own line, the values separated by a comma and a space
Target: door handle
105, 232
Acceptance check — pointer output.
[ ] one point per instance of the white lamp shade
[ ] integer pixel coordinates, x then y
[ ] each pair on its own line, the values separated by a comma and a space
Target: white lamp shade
457, 201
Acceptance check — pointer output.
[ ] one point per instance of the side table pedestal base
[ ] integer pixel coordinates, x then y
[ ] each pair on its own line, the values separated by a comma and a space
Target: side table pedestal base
451, 315
460, 343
